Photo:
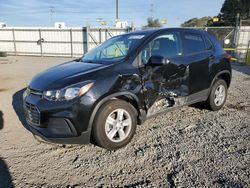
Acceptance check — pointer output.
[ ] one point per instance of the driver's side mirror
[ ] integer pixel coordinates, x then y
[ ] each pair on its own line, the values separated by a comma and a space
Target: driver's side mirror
157, 60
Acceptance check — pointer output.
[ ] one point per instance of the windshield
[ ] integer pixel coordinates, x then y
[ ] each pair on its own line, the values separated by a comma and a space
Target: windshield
114, 49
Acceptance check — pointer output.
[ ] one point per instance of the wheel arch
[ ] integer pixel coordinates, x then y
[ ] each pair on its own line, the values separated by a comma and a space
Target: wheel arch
126, 96
224, 75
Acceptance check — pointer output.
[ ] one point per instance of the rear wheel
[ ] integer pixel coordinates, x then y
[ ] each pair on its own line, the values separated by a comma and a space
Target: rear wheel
114, 125
218, 95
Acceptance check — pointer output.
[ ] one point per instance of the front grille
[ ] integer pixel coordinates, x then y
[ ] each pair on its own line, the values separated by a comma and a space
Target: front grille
34, 92
32, 113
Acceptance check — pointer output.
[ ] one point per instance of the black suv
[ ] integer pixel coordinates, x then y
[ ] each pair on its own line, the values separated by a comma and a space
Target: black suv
104, 95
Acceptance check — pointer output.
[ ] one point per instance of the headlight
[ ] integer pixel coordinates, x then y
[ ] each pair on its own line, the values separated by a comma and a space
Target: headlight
67, 93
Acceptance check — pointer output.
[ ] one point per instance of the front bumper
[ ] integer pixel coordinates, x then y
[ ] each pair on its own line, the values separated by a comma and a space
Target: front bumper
84, 138
64, 122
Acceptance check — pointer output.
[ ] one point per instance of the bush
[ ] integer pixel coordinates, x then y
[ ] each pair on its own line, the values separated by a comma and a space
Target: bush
3, 54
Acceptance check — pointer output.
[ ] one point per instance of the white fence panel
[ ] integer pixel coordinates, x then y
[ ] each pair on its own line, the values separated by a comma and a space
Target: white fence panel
56, 49
27, 47
77, 36
6, 35
72, 42
56, 35
78, 49
6, 47
26, 35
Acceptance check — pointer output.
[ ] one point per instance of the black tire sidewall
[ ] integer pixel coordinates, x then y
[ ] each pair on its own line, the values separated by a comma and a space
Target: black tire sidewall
211, 98
98, 130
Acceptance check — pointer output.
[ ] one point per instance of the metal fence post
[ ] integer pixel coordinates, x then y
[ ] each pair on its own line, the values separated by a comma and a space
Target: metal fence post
71, 42
14, 41
237, 30
237, 35
41, 47
100, 36
248, 53
106, 34
85, 34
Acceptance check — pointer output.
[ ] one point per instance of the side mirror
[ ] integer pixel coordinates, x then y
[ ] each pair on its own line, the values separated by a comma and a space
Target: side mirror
156, 60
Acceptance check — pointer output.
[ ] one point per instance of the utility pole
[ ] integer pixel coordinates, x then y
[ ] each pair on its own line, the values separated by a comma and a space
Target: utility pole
51, 11
117, 11
152, 11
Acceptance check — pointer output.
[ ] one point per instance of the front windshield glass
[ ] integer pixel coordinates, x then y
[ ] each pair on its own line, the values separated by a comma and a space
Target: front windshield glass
114, 49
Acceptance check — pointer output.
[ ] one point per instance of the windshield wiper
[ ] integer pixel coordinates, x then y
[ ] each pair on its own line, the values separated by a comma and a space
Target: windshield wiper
90, 61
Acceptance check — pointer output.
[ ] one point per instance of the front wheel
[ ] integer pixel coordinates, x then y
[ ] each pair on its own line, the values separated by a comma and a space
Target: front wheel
218, 95
114, 125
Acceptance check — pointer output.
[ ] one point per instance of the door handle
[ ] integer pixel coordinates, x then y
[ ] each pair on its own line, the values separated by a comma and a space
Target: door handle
211, 57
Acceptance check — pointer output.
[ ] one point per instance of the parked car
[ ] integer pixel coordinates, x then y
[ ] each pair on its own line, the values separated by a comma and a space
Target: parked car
104, 95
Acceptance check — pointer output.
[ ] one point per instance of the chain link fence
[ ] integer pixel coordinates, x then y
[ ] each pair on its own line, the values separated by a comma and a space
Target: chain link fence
235, 40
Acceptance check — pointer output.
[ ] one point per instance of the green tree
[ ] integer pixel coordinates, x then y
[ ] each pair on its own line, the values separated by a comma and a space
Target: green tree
196, 22
153, 23
229, 11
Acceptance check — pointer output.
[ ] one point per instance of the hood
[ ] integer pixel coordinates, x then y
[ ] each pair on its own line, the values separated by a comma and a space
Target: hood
64, 75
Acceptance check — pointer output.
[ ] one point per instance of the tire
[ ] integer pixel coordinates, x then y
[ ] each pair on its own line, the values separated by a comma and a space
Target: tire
218, 95
110, 131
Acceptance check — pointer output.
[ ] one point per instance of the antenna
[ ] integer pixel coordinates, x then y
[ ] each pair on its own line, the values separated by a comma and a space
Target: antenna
51, 11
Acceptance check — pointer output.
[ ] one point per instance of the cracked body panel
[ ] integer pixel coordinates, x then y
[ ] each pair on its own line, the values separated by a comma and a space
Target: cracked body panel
163, 85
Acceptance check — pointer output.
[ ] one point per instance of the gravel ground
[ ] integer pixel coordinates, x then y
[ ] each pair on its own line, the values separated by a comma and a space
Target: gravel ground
190, 147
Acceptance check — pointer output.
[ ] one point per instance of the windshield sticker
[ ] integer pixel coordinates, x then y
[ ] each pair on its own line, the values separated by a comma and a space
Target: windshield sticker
136, 37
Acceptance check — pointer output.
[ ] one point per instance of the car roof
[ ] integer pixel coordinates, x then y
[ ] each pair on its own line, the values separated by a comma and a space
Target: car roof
153, 31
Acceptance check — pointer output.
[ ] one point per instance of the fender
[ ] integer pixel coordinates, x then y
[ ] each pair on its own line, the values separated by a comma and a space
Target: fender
217, 75
107, 98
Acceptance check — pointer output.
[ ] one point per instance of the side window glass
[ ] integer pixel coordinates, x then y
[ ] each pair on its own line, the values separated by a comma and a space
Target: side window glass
167, 45
194, 43
209, 45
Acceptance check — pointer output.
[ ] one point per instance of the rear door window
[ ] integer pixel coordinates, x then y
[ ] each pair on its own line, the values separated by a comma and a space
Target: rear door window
193, 43
209, 45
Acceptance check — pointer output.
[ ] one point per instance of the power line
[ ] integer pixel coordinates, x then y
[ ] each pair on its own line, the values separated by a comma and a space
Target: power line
69, 12
23, 12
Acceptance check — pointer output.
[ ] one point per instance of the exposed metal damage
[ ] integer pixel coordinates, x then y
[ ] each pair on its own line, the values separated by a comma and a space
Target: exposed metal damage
170, 84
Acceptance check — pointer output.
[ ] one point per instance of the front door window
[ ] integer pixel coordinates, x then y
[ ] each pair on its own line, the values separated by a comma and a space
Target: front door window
166, 45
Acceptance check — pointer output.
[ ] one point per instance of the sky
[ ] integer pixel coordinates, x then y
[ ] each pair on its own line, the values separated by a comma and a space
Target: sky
79, 13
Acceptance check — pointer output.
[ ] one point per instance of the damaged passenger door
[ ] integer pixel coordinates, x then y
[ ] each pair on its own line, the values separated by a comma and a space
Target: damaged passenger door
165, 76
